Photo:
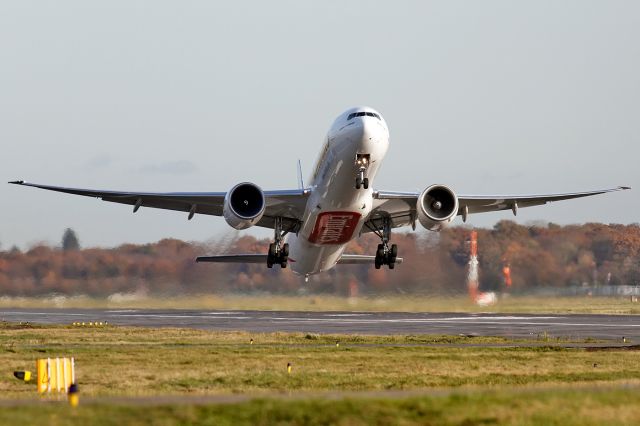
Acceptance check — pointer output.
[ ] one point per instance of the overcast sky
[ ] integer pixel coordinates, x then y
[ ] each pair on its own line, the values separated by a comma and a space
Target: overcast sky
488, 97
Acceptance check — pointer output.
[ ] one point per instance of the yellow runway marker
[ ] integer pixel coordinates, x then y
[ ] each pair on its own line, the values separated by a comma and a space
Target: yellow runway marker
22, 375
74, 398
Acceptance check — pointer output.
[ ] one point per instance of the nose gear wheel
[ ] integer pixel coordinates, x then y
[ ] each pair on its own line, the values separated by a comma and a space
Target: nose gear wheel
362, 162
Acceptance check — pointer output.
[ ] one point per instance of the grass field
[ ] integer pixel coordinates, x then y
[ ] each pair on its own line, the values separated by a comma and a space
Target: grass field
511, 304
610, 406
479, 385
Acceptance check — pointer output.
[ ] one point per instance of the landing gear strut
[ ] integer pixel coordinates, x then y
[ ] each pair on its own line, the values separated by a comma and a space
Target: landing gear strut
278, 253
362, 162
385, 254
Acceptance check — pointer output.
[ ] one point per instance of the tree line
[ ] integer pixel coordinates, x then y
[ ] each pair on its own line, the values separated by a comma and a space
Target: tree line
542, 255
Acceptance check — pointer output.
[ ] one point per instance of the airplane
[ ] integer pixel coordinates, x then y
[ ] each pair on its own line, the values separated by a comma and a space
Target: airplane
313, 225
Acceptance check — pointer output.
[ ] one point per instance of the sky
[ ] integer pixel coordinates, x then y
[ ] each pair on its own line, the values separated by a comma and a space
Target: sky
492, 97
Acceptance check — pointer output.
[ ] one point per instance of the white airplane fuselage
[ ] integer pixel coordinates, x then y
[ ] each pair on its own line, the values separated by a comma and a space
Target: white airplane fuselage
336, 210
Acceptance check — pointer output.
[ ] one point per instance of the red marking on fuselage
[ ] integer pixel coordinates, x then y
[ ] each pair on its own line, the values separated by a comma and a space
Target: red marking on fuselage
334, 227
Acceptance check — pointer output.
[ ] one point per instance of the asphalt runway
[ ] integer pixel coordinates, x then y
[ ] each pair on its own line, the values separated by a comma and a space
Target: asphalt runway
608, 327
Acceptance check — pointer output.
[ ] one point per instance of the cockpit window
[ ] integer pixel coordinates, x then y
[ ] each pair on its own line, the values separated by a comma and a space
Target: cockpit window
362, 114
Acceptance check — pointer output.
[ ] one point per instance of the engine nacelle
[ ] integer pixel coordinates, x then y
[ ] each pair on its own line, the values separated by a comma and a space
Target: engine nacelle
437, 207
243, 205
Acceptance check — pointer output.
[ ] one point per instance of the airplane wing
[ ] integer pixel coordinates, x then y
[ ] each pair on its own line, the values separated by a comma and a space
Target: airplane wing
400, 207
345, 259
288, 204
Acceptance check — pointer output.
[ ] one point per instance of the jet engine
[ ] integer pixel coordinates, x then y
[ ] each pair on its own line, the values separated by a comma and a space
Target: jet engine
243, 205
437, 207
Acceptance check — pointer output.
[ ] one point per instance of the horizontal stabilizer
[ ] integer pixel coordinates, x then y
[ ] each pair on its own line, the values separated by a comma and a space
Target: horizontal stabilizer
359, 259
234, 258
346, 259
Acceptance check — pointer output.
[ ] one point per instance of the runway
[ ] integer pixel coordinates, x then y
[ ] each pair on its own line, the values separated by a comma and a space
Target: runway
608, 327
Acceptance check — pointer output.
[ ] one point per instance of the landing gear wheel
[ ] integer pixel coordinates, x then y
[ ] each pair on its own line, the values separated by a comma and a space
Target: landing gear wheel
358, 183
365, 183
386, 254
278, 253
392, 255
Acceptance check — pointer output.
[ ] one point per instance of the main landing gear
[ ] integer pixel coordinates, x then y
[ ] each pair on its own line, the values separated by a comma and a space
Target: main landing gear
278, 253
385, 254
362, 162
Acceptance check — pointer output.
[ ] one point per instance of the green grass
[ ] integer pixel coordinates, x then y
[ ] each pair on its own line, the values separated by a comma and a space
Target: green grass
140, 361
611, 406
405, 379
510, 304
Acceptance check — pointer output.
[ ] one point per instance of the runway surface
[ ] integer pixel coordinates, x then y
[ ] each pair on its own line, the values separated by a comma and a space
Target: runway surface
516, 325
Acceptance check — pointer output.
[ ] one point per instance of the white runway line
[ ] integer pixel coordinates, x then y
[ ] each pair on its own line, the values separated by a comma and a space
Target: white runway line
176, 316
462, 321
347, 315
45, 313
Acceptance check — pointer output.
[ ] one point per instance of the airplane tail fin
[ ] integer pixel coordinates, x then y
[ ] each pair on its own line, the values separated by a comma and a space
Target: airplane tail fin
300, 181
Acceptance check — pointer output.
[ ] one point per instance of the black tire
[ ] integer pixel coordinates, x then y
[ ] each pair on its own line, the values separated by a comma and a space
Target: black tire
392, 265
377, 264
380, 252
283, 265
358, 183
285, 250
365, 183
393, 252
269, 264
272, 250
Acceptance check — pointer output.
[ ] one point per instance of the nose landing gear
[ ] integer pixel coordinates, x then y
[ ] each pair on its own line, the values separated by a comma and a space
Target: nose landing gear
362, 163
278, 253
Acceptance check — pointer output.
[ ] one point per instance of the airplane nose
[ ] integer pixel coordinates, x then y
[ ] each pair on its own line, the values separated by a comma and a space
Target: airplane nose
365, 134
371, 133
364, 131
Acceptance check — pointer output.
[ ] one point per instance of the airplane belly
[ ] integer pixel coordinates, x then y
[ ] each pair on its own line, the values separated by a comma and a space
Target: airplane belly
334, 227
307, 259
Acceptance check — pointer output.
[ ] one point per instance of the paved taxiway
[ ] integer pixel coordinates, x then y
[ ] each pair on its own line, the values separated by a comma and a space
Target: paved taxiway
509, 325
